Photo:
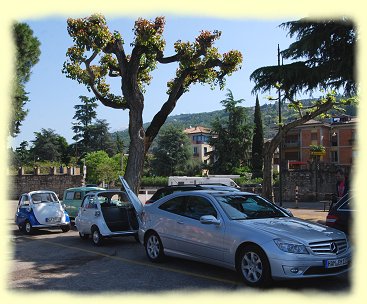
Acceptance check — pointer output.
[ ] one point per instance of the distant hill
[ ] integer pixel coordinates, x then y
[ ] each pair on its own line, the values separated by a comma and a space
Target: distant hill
269, 117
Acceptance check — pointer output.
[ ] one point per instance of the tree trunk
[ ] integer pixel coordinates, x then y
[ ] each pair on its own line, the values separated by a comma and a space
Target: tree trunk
267, 187
270, 147
135, 162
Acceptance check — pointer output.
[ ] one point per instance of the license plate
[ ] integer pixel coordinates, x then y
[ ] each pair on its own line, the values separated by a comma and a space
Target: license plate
336, 262
53, 219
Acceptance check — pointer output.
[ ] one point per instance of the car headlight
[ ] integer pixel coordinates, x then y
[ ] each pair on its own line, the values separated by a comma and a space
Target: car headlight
291, 246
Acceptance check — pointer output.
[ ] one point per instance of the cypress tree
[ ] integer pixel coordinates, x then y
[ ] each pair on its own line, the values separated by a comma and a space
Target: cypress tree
257, 158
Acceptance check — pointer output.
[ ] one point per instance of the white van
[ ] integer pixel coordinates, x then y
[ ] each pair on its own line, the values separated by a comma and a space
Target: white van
193, 180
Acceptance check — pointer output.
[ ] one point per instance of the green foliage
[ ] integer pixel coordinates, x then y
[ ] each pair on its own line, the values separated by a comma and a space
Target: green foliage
100, 138
154, 181
194, 167
119, 143
92, 135
326, 54
199, 61
246, 180
257, 151
27, 55
202, 60
44, 166
49, 146
173, 153
21, 155
84, 115
102, 168
317, 148
232, 139
269, 116
91, 36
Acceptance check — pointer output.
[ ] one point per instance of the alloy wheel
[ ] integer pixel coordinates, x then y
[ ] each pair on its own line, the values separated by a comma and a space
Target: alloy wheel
154, 248
252, 267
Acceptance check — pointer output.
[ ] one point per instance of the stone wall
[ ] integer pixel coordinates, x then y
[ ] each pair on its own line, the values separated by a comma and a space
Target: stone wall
312, 184
53, 181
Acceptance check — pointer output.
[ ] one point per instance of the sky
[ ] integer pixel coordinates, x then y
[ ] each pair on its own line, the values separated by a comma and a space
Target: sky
53, 96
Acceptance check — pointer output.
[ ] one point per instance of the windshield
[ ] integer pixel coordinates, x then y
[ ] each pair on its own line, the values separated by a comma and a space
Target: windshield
345, 203
113, 199
44, 197
241, 206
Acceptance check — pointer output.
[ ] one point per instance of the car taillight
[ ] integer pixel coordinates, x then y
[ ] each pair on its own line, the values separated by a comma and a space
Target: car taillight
331, 219
144, 217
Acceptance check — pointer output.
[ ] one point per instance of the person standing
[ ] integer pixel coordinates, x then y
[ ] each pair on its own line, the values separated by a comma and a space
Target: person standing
342, 184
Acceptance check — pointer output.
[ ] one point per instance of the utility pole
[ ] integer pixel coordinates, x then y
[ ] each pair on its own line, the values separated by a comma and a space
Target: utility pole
281, 139
84, 173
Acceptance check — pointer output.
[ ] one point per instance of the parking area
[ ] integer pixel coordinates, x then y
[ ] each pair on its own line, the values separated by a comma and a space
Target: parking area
52, 260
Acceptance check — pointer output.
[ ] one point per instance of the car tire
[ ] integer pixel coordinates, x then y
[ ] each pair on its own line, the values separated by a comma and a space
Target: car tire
28, 229
65, 228
254, 267
84, 236
154, 248
97, 237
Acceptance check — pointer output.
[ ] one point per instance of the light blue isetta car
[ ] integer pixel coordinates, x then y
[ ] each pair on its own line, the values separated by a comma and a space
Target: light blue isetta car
41, 209
73, 197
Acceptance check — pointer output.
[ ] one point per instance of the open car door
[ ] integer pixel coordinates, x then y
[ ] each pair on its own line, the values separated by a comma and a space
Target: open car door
132, 196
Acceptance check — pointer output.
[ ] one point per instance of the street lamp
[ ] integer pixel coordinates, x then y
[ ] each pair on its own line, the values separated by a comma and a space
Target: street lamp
170, 160
281, 138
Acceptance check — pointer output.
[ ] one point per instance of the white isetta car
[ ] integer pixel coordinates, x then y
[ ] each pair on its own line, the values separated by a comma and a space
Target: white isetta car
109, 213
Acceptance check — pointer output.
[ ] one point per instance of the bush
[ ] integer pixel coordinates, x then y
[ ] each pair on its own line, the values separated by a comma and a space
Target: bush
247, 181
154, 181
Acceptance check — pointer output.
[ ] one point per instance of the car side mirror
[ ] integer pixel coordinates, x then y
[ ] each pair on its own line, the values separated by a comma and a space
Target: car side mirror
209, 220
287, 211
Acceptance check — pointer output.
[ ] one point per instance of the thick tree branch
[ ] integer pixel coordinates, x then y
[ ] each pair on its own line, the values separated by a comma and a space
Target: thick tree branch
118, 50
91, 58
105, 101
160, 118
134, 62
176, 92
323, 108
169, 59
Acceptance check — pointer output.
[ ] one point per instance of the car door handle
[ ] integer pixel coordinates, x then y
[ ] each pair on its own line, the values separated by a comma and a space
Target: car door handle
179, 222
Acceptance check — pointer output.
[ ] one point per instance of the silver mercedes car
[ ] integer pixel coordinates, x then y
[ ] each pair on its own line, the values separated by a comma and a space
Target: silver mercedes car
244, 232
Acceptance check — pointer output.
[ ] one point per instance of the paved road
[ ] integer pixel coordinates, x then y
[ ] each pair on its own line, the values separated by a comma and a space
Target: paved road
56, 261
52, 260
